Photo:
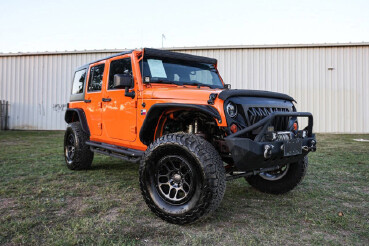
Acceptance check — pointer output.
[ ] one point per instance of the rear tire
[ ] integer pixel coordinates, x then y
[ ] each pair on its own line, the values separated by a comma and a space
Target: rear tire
182, 178
77, 153
293, 176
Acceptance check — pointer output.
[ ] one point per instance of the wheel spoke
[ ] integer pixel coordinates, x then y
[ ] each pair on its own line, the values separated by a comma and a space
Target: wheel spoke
172, 164
174, 179
167, 168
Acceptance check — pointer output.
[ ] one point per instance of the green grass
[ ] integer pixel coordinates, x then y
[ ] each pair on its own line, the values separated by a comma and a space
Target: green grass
42, 202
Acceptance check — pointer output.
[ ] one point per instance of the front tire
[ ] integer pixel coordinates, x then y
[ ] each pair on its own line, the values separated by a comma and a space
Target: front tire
77, 153
281, 181
182, 178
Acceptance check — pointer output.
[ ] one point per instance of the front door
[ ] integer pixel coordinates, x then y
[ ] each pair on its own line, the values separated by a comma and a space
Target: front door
119, 111
93, 98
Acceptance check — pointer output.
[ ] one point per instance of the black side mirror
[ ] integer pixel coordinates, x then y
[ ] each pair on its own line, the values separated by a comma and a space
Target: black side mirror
122, 81
227, 86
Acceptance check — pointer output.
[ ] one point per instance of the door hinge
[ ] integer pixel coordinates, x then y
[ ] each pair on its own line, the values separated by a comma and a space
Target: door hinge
135, 104
99, 104
133, 129
99, 125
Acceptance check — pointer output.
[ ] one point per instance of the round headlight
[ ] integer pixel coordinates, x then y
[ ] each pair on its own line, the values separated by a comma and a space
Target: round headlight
231, 110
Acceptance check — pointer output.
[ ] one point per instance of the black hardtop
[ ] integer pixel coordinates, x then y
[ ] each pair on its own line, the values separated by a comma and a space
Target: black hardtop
105, 58
149, 52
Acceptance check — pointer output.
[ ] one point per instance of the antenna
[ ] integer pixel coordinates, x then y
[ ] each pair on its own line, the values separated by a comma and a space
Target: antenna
162, 40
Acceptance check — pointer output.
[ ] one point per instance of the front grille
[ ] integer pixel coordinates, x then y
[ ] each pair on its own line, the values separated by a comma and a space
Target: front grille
255, 114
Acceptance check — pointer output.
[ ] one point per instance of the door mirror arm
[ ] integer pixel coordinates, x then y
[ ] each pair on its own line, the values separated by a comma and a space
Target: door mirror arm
128, 93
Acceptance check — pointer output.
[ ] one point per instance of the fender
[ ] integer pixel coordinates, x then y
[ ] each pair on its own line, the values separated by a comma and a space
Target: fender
148, 127
71, 116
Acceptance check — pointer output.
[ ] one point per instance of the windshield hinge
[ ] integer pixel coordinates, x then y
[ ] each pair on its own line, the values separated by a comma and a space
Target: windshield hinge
212, 97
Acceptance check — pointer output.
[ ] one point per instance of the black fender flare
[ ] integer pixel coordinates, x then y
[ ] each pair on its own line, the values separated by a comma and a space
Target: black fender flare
70, 117
152, 117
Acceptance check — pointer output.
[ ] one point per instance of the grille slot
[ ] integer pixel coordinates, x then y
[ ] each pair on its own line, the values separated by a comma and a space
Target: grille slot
256, 114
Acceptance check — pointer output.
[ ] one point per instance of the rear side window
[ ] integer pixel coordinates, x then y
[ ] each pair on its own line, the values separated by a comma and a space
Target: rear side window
122, 66
96, 78
79, 81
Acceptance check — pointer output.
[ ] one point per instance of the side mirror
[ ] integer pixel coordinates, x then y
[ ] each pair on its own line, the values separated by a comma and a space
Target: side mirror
227, 86
122, 81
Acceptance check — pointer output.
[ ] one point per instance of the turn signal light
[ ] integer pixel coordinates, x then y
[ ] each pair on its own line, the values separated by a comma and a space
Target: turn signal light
234, 128
295, 126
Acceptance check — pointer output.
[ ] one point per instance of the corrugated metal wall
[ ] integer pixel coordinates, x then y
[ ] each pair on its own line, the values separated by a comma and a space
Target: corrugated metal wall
38, 88
332, 82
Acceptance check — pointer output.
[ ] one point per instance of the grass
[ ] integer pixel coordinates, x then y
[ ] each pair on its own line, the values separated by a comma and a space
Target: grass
42, 202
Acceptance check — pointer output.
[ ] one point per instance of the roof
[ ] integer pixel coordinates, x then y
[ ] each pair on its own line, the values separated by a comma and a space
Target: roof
108, 57
159, 53
148, 52
263, 46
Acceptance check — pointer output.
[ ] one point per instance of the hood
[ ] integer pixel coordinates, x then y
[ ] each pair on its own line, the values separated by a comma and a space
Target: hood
181, 92
202, 94
225, 94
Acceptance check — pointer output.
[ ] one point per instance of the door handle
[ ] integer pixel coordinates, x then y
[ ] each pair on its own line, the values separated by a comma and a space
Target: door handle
87, 101
106, 99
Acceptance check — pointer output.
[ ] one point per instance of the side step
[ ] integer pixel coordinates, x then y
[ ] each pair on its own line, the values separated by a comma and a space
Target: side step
131, 155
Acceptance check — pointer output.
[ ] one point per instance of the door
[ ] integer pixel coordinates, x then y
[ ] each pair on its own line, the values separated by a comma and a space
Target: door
119, 111
93, 99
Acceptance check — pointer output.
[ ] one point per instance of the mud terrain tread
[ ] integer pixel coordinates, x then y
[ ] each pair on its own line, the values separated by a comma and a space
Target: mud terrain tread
213, 172
83, 155
293, 177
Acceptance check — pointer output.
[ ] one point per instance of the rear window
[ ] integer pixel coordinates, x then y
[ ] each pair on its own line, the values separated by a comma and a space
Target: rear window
79, 81
96, 78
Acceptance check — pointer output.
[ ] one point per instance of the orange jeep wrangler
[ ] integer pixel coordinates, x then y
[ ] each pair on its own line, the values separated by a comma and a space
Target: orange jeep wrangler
190, 132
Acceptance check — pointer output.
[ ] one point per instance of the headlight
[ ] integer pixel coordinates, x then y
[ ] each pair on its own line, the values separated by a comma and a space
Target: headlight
231, 110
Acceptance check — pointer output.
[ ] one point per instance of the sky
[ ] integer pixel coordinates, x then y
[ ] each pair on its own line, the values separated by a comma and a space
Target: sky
32, 26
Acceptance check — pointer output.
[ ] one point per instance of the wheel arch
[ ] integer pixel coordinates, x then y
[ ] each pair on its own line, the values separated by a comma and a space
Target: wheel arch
77, 115
151, 121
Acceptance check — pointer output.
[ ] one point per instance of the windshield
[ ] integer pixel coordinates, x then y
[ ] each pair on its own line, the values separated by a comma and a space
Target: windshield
180, 72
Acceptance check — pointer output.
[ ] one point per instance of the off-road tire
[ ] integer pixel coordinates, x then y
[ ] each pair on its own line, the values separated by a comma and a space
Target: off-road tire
83, 156
210, 183
293, 177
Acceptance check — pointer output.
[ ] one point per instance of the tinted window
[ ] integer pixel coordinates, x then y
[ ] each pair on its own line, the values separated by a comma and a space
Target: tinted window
181, 72
122, 66
96, 78
79, 81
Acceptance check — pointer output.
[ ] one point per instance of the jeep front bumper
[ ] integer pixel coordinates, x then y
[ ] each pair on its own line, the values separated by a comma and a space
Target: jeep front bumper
255, 154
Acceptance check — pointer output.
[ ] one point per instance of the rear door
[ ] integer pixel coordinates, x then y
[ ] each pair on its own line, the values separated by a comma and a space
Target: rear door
93, 98
119, 111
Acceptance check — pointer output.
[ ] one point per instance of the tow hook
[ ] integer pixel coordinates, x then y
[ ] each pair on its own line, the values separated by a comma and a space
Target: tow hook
268, 151
311, 148
313, 145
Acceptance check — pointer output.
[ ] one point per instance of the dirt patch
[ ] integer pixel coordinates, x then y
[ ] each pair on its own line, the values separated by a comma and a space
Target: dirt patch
111, 215
8, 206
74, 205
7, 203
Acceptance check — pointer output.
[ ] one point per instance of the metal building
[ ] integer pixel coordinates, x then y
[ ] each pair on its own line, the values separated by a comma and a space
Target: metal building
329, 80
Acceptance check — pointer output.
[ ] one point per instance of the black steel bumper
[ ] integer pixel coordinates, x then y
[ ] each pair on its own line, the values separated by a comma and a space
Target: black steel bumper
254, 154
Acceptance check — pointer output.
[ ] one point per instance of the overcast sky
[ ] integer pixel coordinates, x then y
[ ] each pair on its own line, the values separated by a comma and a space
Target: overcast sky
77, 25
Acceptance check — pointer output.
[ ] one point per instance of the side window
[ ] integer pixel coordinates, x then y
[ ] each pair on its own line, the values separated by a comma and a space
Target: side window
79, 81
96, 78
122, 66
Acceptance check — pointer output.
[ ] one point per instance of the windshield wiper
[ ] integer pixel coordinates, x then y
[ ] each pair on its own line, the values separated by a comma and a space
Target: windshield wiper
162, 81
196, 84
